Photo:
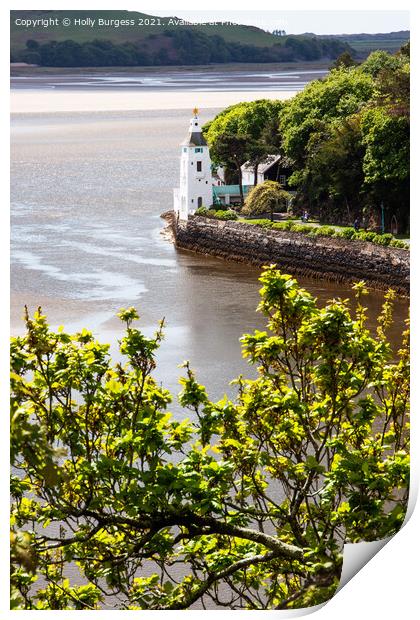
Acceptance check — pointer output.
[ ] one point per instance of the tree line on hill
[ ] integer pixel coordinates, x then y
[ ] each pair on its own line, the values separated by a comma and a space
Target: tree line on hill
345, 139
183, 46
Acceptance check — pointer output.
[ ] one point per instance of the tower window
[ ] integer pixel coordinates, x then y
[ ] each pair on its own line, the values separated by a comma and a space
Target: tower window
199, 202
199, 166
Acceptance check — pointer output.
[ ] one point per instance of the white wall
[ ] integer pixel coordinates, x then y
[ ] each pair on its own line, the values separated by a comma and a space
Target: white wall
195, 184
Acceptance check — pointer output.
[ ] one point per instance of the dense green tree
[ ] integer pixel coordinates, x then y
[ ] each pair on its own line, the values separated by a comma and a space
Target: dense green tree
342, 93
333, 177
386, 163
378, 61
387, 146
348, 138
393, 90
392, 79
256, 121
245, 118
247, 503
385, 127
266, 197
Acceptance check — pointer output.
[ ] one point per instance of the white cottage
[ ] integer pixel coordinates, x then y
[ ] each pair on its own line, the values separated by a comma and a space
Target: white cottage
195, 189
268, 170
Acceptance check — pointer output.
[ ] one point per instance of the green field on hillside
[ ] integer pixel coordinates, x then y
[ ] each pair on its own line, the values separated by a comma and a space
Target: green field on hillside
366, 43
366, 46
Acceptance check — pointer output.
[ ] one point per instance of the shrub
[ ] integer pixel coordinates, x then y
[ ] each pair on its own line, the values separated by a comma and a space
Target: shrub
226, 215
301, 228
329, 231
202, 211
383, 239
323, 231
266, 197
265, 223
365, 235
397, 243
347, 233
288, 224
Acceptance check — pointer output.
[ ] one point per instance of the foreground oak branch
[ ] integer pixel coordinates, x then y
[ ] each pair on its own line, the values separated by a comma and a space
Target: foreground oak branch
247, 503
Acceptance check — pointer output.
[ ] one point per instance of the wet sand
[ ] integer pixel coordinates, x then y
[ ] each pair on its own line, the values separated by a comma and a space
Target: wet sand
44, 101
77, 90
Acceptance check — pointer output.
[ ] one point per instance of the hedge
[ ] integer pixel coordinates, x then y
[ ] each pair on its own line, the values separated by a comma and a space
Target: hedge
306, 229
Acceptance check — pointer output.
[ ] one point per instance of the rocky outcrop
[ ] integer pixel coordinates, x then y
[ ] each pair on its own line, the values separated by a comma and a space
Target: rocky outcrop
320, 257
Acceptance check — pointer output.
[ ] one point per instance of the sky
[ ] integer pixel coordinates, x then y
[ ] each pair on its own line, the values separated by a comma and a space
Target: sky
296, 22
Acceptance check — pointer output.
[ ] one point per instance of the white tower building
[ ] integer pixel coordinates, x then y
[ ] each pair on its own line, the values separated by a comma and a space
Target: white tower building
195, 185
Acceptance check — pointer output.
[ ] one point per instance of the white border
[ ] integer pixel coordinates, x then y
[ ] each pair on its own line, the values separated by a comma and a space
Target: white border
386, 588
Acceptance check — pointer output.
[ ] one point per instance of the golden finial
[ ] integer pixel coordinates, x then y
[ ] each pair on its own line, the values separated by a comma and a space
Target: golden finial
195, 111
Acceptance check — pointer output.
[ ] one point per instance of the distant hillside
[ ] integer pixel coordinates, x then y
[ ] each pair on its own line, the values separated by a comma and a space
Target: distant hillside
364, 43
144, 26
126, 38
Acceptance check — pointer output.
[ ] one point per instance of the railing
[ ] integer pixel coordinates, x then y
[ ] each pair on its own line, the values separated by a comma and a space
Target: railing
230, 189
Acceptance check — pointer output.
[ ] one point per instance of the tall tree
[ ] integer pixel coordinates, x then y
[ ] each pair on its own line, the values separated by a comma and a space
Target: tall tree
340, 94
333, 177
348, 138
386, 163
257, 122
230, 149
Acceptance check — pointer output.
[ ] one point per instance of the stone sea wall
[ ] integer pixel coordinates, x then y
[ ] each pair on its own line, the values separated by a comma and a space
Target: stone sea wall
339, 260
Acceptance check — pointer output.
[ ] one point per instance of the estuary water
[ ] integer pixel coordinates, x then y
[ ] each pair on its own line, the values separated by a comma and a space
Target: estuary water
92, 168
89, 182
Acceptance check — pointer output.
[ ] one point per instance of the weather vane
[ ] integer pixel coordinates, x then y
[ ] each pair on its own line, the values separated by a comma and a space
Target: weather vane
195, 111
